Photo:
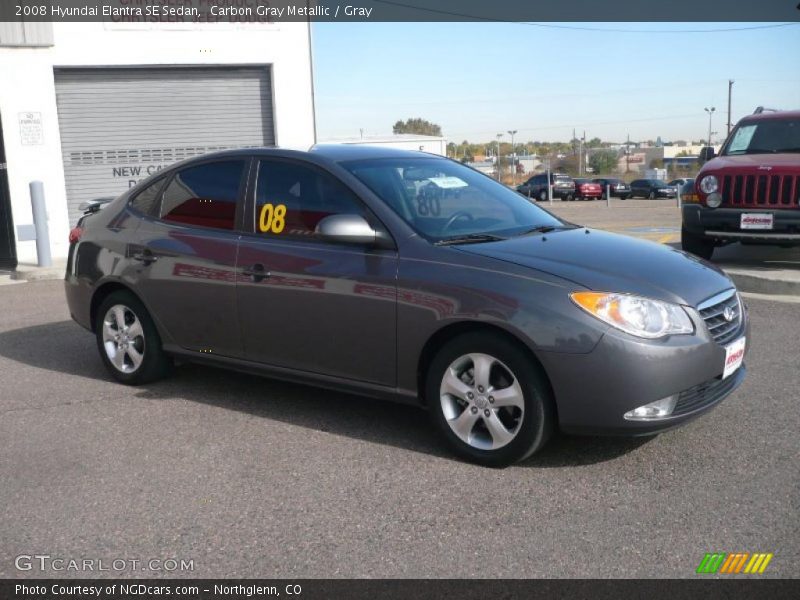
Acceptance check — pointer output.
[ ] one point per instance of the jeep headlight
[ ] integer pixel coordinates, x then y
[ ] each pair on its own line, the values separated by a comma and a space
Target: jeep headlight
709, 184
642, 317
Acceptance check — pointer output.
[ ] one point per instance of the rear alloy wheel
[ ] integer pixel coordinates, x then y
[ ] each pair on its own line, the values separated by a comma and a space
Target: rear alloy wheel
489, 400
652, 195
543, 195
696, 244
128, 341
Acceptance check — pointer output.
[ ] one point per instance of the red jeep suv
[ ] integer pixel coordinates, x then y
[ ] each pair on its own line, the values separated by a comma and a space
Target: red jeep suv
750, 193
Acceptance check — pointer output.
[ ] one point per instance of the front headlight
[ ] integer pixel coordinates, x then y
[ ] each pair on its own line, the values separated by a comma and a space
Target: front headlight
709, 184
635, 315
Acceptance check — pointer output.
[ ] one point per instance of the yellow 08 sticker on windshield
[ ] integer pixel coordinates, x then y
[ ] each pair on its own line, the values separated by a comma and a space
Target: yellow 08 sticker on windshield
272, 219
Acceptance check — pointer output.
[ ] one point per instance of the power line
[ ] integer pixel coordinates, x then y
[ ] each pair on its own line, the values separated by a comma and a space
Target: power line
578, 27
589, 124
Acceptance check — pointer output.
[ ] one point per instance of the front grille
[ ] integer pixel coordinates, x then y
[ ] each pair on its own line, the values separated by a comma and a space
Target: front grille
706, 393
779, 191
713, 313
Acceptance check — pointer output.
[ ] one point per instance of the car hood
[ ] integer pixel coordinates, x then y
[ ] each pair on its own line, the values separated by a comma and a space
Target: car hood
754, 161
603, 261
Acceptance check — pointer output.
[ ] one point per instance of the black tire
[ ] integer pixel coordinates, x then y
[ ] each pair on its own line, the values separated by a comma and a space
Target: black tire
155, 363
543, 195
696, 244
568, 198
624, 197
538, 417
652, 195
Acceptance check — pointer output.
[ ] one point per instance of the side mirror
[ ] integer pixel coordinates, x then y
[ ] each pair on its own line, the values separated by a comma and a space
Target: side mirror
348, 229
707, 153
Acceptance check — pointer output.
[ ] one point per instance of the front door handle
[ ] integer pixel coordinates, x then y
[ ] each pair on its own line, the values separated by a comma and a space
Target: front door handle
145, 257
257, 272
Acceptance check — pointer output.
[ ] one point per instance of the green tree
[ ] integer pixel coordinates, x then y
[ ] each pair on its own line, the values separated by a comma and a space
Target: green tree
595, 142
417, 126
603, 161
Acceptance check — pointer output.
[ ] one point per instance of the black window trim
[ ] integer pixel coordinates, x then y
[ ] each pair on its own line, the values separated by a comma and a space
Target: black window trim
249, 216
159, 180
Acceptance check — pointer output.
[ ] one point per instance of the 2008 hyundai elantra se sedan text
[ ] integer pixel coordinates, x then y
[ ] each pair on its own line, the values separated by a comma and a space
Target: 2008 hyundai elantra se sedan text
409, 277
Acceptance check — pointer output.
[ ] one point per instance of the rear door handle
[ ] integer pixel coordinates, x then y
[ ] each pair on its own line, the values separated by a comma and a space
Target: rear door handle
145, 257
257, 272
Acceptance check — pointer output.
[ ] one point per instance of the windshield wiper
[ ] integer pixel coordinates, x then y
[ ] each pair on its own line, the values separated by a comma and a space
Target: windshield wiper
544, 229
472, 238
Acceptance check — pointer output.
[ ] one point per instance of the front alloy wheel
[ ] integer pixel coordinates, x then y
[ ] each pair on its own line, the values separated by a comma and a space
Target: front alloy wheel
489, 398
482, 401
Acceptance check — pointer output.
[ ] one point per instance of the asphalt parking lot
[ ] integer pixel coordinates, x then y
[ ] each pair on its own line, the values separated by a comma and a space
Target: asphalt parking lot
252, 477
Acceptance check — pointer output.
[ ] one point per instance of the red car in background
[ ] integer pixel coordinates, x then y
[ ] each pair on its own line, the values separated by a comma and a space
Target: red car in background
586, 189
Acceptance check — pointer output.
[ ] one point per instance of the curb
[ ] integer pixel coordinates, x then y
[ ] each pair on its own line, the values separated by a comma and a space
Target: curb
39, 273
773, 284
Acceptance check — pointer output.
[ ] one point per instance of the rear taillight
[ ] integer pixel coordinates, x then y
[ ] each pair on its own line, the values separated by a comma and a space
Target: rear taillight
75, 234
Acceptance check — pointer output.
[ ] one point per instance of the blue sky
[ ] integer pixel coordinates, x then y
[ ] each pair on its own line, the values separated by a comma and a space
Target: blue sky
480, 79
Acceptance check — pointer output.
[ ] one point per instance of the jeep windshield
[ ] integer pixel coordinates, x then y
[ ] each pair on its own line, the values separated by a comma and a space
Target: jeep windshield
768, 136
445, 201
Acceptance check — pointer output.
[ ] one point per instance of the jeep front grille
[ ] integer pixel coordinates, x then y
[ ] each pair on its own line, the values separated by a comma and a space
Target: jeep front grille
713, 313
779, 191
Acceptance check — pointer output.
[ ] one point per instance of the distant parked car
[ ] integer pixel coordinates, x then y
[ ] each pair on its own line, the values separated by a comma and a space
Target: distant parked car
619, 188
651, 188
536, 187
680, 182
586, 189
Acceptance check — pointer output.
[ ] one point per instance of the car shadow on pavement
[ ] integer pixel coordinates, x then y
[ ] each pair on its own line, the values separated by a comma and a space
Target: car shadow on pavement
65, 348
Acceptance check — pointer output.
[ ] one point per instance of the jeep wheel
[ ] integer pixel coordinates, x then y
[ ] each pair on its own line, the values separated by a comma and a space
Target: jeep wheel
696, 244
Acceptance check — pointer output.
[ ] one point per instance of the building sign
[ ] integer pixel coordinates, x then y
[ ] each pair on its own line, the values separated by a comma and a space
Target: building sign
31, 131
133, 174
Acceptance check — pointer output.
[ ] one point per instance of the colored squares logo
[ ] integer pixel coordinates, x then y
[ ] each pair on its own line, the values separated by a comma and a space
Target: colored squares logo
734, 563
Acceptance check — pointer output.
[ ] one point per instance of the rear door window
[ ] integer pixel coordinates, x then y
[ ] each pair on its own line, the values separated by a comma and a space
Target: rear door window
205, 195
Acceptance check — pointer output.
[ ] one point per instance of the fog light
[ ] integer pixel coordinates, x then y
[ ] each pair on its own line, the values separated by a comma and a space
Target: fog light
714, 200
655, 410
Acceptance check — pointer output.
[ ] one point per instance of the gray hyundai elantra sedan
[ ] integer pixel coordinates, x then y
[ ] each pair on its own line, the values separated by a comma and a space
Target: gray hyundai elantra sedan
409, 277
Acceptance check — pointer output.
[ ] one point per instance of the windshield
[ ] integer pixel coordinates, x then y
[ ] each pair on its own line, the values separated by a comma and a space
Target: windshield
442, 199
770, 136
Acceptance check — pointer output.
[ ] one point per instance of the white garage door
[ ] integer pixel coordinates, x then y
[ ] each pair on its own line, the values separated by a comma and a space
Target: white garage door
120, 125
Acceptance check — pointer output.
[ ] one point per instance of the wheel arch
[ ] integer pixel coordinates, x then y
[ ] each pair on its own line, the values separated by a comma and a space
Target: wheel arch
443, 335
102, 292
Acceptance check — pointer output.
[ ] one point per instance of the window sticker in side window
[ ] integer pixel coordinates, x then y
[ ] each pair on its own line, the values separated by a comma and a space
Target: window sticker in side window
272, 218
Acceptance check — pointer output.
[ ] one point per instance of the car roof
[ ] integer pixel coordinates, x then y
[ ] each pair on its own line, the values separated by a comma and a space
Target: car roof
330, 152
772, 116
341, 152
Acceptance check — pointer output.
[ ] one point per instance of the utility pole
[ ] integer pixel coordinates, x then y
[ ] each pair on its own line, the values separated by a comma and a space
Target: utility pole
582, 162
710, 112
628, 154
730, 87
499, 135
512, 132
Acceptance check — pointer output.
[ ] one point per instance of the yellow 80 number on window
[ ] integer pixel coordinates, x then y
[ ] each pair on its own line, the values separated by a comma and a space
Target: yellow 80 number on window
272, 218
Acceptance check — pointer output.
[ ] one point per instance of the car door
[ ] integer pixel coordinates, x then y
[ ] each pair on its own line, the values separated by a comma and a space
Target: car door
306, 303
186, 253
637, 188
